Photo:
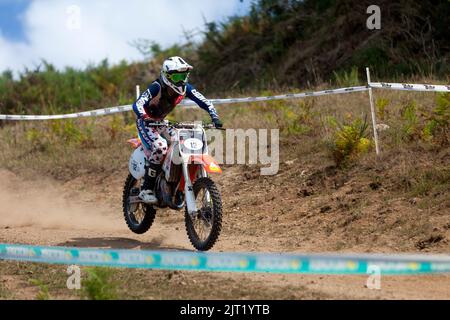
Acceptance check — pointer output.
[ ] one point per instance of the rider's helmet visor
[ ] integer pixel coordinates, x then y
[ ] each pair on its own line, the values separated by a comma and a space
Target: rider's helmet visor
178, 78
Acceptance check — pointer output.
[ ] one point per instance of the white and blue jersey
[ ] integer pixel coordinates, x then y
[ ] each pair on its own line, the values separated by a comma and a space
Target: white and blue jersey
157, 103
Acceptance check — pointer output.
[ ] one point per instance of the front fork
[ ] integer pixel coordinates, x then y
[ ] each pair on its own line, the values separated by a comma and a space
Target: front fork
189, 188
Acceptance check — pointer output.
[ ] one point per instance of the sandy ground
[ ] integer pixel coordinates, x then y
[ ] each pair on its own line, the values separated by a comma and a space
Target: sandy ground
46, 212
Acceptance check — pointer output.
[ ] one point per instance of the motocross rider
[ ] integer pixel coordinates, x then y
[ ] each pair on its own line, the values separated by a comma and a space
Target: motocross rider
155, 103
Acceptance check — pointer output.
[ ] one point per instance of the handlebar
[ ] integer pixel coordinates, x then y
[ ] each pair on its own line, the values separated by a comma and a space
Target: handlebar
180, 125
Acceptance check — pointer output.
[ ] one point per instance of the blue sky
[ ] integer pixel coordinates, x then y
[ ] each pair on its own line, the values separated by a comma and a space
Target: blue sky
78, 32
10, 19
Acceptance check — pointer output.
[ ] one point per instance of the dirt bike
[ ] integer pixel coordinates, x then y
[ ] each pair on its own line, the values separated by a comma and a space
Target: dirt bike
183, 183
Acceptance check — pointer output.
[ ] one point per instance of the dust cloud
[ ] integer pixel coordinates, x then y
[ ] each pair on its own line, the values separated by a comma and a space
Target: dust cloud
45, 204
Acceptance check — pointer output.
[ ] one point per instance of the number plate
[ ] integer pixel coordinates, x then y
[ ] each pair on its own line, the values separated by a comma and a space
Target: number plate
193, 144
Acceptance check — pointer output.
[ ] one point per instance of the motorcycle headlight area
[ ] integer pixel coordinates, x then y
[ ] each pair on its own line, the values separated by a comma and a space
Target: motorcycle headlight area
192, 141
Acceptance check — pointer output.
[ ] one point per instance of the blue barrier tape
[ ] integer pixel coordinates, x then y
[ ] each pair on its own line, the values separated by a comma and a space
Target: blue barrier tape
230, 262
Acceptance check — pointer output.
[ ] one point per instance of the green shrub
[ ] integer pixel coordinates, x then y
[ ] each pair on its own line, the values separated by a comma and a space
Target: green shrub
43, 293
100, 284
37, 139
131, 130
115, 126
437, 126
410, 120
87, 136
292, 119
347, 78
372, 56
381, 105
34, 136
70, 132
350, 141
424, 182
76, 132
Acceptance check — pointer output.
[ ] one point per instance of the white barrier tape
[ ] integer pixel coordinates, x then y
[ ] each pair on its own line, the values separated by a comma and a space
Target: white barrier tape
410, 87
283, 96
126, 108
92, 113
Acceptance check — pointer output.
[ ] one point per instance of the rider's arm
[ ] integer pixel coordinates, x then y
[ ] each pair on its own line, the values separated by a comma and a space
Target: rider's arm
201, 101
145, 98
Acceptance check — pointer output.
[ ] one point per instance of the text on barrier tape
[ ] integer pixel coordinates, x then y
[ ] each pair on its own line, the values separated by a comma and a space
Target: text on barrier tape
410, 87
229, 262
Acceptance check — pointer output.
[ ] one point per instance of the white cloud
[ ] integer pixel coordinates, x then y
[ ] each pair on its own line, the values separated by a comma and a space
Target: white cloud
106, 28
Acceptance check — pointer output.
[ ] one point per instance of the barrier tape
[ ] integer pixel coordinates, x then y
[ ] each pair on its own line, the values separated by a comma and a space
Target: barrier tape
230, 262
126, 108
284, 96
93, 113
410, 87
187, 103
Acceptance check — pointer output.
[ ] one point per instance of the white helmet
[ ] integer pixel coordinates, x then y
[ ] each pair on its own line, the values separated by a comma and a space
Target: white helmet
175, 74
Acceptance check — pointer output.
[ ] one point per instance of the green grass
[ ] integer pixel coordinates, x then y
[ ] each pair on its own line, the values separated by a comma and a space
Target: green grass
347, 78
100, 284
332, 126
43, 293
65, 149
137, 284
4, 292
424, 182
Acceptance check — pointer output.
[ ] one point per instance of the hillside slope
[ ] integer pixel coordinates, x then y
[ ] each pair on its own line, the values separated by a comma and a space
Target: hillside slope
298, 43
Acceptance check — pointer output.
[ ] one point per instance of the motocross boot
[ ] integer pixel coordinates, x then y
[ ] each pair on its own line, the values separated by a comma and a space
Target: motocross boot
147, 194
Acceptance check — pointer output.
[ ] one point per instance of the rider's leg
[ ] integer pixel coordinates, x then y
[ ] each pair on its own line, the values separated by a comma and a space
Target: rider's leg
168, 133
152, 171
155, 147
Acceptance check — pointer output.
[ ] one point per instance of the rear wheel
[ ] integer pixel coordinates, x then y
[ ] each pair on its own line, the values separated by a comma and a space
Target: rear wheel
204, 227
138, 216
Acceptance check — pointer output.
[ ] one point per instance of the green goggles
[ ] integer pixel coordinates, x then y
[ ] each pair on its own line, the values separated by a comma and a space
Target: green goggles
179, 77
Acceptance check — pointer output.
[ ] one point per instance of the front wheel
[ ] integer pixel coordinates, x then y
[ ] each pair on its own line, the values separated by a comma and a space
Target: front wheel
204, 228
138, 216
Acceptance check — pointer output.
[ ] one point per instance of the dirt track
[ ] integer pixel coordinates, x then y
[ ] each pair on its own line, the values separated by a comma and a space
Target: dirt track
49, 213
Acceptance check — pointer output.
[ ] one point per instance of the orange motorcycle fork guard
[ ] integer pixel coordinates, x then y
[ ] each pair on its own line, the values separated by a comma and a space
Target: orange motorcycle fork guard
196, 162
